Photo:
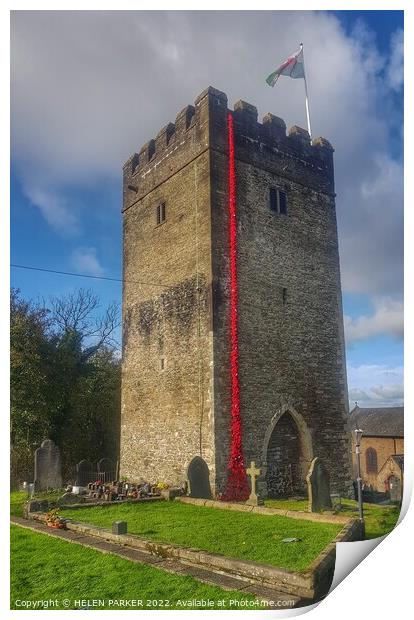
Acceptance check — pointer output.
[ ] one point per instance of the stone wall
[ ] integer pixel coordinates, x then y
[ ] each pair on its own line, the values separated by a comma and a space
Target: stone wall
166, 413
290, 313
290, 310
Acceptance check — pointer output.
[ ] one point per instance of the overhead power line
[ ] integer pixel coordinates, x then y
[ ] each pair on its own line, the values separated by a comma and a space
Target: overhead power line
84, 275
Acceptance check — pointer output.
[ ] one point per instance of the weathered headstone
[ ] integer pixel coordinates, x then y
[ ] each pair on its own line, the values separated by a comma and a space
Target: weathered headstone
37, 505
119, 527
47, 467
395, 488
254, 472
319, 492
199, 478
85, 473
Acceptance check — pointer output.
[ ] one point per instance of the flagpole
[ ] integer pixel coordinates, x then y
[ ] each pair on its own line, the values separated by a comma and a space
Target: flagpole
306, 94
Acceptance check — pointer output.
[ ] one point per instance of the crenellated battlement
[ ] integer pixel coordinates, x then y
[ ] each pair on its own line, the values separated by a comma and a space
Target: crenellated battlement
203, 125
159, 146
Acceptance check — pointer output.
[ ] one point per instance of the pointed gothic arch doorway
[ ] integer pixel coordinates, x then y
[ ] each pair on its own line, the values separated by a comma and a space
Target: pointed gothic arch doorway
288, 454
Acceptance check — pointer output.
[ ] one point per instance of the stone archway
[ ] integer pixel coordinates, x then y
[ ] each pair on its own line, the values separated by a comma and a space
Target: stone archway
287, 453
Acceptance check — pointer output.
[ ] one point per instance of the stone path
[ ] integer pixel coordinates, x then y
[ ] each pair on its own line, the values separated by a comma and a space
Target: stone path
226, 582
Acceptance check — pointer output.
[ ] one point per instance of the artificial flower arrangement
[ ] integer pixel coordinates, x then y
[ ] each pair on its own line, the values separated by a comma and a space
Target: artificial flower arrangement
162, 485
53, 519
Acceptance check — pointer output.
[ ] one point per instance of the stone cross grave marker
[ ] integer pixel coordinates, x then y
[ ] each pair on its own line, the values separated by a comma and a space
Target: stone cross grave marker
253, 472
47, 467
319, 492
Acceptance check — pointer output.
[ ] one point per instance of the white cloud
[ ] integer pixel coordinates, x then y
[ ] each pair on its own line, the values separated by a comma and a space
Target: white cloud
357, 395
376, 385
86, 261
387, 319
89, 88
377, 396
54, 208
371, 227
371, 374
395, 70
394, 391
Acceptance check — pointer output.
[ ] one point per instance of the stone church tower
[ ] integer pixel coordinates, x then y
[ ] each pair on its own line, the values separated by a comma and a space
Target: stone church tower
178, 334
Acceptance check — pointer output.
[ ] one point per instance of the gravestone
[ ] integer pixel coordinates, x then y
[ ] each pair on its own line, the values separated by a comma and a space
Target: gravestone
395, 488
41, 505
254, 472
319, 492
199, 478
85, 473
47, 467
119, 527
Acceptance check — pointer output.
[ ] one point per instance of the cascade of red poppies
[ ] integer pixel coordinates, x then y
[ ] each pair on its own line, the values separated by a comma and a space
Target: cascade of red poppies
237, 484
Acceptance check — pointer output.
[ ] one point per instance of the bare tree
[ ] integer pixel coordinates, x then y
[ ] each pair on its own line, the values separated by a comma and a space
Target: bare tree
79, 312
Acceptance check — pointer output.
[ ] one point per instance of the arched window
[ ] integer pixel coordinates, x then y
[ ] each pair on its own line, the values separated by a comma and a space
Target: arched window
371, 461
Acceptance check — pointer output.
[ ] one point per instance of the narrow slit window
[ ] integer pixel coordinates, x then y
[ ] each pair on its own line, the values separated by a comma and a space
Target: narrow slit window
273, 199
284, 296
277, 201
282, 202
161, 213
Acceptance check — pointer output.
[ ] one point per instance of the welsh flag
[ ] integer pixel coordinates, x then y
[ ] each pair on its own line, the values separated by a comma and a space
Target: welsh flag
293, 67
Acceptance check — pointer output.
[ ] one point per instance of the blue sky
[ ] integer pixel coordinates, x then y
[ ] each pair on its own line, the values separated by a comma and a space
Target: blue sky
89, 89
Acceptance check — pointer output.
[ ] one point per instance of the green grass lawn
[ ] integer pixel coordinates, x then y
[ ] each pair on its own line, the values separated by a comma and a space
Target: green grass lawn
45, 568
379, 520
17, 499
235, 534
